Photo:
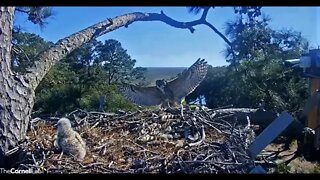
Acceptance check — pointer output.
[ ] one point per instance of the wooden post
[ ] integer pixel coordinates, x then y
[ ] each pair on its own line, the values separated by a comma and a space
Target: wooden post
312, 70
270, 133
312, 116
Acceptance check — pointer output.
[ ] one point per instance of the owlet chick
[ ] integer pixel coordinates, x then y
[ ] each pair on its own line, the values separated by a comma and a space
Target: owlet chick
69, 141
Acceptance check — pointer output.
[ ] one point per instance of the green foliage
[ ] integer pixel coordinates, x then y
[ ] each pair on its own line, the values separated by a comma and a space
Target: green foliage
250, 11
261, 73
113, 99
269, 80
58, 92
117, 63
282, 169
36, 14
197, 9
254, 39
80, 79
316, 169
26, 47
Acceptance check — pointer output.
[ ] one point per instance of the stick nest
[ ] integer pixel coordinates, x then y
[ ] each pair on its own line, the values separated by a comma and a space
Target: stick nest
147, 141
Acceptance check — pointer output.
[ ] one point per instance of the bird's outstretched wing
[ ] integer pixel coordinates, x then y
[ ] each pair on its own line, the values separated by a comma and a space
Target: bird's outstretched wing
145, 96
189, 79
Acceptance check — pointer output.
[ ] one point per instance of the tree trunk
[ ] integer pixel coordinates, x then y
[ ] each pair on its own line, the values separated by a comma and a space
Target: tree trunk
16, 100
15, 110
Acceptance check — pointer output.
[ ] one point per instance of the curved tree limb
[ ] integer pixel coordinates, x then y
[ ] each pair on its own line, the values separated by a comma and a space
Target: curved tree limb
221, 35
64, 46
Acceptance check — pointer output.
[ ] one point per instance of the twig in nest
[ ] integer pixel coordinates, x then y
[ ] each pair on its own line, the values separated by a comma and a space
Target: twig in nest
35, 120
181, 111
144, 149
201, 140
34, 160
100, 147
223, 107
213, 115
219, 131
127, 115
92, 164
96, 124
110, 164
60, 156
11, 151
104, 113
43, 159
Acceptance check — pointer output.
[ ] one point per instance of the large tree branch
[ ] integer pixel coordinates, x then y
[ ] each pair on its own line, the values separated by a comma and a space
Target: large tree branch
257, 117
64, 46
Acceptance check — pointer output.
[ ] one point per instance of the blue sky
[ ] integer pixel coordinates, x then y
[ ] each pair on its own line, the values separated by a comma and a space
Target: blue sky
155, 44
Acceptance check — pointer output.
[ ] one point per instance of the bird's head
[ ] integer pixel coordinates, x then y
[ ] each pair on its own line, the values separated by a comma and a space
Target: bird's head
161, 84
63, 124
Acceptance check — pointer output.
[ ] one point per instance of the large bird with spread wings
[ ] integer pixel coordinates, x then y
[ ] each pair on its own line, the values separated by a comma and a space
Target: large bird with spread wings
168, 94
